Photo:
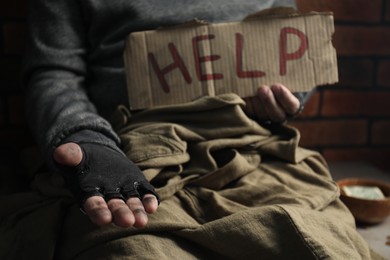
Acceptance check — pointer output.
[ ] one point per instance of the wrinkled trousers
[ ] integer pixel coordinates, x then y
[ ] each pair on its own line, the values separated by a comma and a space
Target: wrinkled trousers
230, 189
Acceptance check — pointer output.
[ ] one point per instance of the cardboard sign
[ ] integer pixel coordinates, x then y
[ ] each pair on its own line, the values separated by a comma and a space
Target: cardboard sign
179, 64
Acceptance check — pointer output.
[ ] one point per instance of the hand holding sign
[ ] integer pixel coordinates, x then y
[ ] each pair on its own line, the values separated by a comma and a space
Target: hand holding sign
180, 64
274, 103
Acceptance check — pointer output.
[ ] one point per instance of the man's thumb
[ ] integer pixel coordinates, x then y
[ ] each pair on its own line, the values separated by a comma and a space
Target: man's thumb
68, 154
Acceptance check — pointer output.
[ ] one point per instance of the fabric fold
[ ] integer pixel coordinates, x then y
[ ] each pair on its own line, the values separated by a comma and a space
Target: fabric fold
230, 189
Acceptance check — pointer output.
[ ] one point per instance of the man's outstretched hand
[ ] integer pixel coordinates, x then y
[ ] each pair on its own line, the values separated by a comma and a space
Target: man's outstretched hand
273, 103
101, 208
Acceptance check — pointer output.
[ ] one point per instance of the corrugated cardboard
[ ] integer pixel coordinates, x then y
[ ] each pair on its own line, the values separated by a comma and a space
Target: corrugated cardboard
179, 64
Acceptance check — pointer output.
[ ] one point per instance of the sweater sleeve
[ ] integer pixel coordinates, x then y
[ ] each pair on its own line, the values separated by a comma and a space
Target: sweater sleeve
55, 76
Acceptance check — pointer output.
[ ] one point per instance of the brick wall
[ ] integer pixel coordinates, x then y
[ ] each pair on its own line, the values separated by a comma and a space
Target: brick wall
347, 121
351, 120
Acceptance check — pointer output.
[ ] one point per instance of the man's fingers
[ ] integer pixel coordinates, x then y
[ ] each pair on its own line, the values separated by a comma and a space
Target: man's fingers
286, 99
150, 203
137, 208
255, 108
132, 213
96, 209
270, 104
121, 214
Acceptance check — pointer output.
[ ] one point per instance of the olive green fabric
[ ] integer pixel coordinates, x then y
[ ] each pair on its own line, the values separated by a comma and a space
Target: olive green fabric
230, 189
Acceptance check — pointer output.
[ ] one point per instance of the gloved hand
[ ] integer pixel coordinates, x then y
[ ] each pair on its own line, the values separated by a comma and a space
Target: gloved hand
105, 179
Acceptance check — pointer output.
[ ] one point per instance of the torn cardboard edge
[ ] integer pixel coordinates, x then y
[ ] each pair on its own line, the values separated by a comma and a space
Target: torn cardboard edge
281, 12
179, 64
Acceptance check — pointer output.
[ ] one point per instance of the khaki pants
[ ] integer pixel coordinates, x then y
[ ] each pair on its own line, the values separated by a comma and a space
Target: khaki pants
230, 189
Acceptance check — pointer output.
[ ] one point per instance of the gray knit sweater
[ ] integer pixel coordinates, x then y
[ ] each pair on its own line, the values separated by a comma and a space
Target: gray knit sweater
74, 72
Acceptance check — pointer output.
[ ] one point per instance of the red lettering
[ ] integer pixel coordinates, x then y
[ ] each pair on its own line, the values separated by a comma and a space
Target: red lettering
284, 56
177, 63
199, 60
239, 50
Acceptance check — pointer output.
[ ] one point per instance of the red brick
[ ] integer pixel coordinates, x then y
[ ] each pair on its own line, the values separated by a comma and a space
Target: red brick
355, 103
312, 106
14, 8
356, 72
332, 132
14, 36
383, 78
345, 10
377, 156
16, 110
362, 40
380, 132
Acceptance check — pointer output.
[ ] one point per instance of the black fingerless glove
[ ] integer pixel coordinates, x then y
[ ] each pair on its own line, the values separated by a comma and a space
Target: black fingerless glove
108, 173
